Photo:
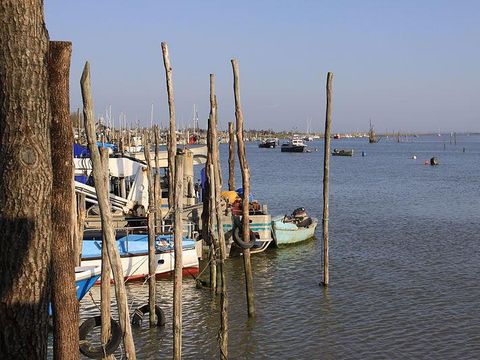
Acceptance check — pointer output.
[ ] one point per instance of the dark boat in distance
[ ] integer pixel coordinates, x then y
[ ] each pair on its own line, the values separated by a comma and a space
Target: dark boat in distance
294, 145
372, 137
268, 144
342, 152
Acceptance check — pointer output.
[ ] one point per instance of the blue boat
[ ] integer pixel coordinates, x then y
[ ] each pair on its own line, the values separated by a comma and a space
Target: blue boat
293, 229
85, 278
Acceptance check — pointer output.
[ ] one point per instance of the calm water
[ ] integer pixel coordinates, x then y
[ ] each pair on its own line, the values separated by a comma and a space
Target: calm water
404, 261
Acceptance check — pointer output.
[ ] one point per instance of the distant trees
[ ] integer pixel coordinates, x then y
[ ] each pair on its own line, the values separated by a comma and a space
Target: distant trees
25, 180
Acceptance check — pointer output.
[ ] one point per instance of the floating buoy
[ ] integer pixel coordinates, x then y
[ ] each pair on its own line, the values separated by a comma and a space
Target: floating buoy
433, 161
414, 157
364, 153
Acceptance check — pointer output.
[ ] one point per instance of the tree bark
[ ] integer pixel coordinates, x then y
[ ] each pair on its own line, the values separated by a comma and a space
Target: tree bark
64, 296
25, 181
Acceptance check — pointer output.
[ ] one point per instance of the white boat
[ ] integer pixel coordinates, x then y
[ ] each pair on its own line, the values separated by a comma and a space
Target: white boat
295, 228
295, 144
133, 250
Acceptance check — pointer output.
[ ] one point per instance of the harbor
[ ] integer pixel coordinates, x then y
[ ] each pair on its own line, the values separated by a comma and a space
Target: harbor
275, 181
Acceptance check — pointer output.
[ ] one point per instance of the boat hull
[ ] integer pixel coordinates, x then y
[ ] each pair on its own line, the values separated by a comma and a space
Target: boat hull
260, 224
295, 149
289, 233
134, 258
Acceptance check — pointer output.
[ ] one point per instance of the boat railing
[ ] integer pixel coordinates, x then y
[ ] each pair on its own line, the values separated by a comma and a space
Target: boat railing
124, 232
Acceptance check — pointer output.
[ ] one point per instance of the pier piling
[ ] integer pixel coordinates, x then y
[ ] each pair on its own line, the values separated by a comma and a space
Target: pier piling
172, 138
178, 248
326, 172
231, 157
101, 179
246, 190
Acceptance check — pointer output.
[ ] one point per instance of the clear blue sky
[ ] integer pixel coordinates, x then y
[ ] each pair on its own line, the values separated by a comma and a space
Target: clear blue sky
408, 65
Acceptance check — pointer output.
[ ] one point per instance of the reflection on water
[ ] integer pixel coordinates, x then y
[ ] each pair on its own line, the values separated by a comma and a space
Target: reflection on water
404, 255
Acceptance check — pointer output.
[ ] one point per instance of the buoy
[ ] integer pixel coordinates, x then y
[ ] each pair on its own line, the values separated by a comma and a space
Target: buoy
364, 153
414, 157
433, 161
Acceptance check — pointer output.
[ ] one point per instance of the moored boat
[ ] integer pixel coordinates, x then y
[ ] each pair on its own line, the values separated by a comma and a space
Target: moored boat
342, 152
133, 250
294, 145
268, 144
294, 228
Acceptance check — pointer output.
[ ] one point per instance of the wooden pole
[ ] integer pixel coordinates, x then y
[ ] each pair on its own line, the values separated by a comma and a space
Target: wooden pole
211, 146
106, 215
214, 172
158, 183
151, 232
172, 145
81, 216
231, 157
152, 261
326, 172
64, 297
246, 190
178, 248
105, 295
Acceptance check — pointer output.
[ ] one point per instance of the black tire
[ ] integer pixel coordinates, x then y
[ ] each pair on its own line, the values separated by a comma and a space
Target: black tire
97, 352
138, 315
237, 237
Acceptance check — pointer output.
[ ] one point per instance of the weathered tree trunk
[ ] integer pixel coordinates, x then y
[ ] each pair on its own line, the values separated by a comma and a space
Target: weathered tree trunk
178, 249
25, 180
231, 157
246, 190
326, 172
64, 296
152, 261
106, 215
172, 144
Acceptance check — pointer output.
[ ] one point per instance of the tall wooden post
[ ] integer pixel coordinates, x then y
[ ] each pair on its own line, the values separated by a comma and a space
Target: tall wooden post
172, 144
215, 172
152, 261
231, 157
246, 190
105, 295
158, 184
178, 248
326, 172
101, 178
64, 297
81, 216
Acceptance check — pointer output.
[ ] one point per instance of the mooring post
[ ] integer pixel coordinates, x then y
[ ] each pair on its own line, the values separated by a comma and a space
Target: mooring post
215, 171
246, 190
152, 261
81, 216
231, 157
326, 173
172, 144
158, 184
178, 248
105, 296
101, 178
64, 300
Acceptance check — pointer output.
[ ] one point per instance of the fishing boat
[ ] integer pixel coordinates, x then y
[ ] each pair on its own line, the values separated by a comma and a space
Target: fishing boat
294, 145
290, 229
372, 137
342, 152
85, 278
133, 250
268, 144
